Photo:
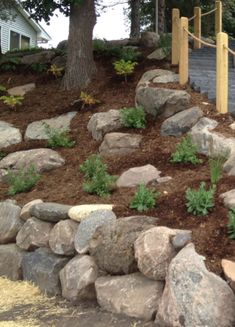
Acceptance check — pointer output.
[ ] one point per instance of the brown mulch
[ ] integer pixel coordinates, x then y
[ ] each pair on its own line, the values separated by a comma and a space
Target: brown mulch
64, 185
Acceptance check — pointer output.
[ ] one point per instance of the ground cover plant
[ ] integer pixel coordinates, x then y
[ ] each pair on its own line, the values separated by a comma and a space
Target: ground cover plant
186, 152
231, 224
58, 137
133, 117
144, 199
12, 100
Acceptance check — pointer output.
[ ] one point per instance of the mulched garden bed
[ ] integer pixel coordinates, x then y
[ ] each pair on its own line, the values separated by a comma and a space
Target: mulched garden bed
64, 185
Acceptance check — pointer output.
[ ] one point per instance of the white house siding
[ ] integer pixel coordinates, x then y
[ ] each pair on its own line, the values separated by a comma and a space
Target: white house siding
19, 25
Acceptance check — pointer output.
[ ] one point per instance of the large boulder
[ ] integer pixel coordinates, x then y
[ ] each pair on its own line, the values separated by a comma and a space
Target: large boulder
80, 212
78, 278
119, 144
10, 222
181, 122
10, 261
104, 122
25, 211
150, 39
37, 131
193, 296
112, 246
154, 251
159, 54
60, 61
162, 102
133, 295
229, 272
41, 159
43, 57
229, 198
134, 176
21, 90
50, 211
61, 239
42, 267
160, 76
9, 135
88, 226
34, 234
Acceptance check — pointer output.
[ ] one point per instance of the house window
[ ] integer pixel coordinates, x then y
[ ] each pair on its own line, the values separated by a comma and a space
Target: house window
25, 42
14, 40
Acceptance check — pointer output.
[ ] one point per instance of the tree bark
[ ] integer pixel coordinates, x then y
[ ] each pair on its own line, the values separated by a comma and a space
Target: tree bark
161, 16
80, 65
135, 19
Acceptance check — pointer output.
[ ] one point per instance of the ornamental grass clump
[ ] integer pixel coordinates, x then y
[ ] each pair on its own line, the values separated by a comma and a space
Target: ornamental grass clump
186, 152
97, 179
216, 168
133, 117
23, 180
144, 199
231, 224
58, 138
200, 202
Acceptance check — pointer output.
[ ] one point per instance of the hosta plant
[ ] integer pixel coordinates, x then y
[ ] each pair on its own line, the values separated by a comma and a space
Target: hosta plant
55, 71
88, 99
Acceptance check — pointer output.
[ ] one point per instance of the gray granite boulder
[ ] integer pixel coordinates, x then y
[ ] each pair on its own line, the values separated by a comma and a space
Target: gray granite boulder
119, 144
229, 198
149, 39
157, 76
10, 222
134, 176
50, 211
42, 57
229, 272
193, 296
80, 212
61, 239
10, 261
9, 135
88, 226
162, 102
104, 122
158, 54
112, 246
25, 211
133, 295
36, 130
34, 234
42, 267
41, 159
181, 122
78, 279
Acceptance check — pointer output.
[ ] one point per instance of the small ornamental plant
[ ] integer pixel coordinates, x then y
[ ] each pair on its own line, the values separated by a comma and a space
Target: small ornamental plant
124, 68
216, 168
133, 117
23, 180
231, 224
55, 71
88, 100
12, 101
97, 179
58, 138
186, 152
144, 199
200, 202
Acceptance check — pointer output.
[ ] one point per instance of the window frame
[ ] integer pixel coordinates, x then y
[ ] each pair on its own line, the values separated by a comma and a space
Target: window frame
20, 34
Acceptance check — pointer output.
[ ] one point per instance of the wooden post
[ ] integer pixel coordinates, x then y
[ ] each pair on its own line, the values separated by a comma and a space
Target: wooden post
197, 27
183, 64
175, 36
222, 73
218, 17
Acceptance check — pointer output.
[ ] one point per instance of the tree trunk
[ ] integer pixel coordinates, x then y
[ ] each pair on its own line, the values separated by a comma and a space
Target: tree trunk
161, 16
80, 64
135, 19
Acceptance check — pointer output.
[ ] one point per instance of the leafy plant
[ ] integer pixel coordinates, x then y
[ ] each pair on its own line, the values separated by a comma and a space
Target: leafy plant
124, 68
99, 46
133, 117
9, 64
129, 54
23, 180
38, 67
12, 100
97, 179
200, 202
216, 168
58, 138
231, 224
165, 43
186, 152
55, 71
92, 166
88, 99
144, 199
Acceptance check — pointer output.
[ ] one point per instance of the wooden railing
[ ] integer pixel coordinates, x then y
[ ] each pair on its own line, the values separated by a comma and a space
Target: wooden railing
180, 49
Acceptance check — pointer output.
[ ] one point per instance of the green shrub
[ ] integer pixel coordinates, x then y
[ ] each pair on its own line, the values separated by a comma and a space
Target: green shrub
186, 152
129, 54
99, 46
58, 138
216, 168
12, 100
133, 117
9, 64
144, 199
23, 180
165, 43
231, 224
38, 67
97, 179
124, 68
200, 202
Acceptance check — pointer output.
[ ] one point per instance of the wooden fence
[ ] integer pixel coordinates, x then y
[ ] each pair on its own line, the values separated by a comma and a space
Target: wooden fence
180, 49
